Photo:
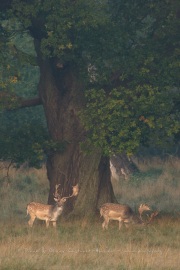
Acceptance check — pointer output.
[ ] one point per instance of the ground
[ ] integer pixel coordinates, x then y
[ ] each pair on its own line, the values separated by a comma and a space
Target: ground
83, 245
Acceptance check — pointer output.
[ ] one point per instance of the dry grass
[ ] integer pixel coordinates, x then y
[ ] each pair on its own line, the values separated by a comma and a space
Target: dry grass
71, 247
157, 184
86, 246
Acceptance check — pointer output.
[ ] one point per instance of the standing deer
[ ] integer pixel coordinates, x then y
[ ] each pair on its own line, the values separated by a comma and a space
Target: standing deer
124, 214
49, 213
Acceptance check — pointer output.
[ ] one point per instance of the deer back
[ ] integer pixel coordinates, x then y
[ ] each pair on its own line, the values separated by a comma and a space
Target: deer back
44, 211
116, 210
38, 210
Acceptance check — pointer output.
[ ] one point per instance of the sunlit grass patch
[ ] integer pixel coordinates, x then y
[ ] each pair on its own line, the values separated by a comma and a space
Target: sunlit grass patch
83, 245
92, 248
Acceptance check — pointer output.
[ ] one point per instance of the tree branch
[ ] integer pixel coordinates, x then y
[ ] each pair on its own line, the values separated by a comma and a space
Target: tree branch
10, 101
29, 103
22, 56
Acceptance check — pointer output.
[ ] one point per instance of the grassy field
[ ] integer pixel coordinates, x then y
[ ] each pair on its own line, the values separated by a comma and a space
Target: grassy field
86, 246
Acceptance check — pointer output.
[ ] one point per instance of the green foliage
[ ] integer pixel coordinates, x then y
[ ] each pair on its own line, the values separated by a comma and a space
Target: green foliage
24, 138
18, 78
140, 58
124, 118
131, 49
19, 135
61, 23
20, 130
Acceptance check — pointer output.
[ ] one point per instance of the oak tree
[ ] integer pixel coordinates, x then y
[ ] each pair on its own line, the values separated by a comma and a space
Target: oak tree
108, 81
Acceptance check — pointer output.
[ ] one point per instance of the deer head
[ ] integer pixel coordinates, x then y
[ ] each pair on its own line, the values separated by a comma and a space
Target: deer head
57, 196
151, 217
145, 207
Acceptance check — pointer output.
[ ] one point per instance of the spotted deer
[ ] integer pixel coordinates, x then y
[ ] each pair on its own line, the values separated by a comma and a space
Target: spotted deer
124, 214
49, 213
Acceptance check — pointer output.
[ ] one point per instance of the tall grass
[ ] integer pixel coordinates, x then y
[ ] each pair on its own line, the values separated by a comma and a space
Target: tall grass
87, 246
157, 183
21, 187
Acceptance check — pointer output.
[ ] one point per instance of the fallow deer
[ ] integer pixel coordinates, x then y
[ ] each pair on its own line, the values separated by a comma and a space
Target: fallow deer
124, 214
49, 213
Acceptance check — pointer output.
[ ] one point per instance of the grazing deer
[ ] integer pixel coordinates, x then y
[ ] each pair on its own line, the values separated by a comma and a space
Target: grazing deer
49, 213
124, 214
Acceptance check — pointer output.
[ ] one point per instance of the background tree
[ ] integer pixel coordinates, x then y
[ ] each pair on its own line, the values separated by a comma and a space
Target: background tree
108, 70
23, 133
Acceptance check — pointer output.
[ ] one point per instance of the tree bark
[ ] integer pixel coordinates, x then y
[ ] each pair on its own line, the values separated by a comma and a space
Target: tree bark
62, 97
123, 165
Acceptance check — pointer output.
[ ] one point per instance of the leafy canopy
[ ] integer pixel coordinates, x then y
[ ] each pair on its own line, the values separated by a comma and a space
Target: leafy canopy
138, 105
127, 52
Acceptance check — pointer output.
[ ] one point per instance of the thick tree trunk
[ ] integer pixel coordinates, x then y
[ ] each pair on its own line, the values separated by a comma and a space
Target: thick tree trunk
62, 97
122, 166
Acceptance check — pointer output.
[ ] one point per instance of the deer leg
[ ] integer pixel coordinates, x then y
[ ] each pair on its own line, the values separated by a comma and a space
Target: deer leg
31, 221
47, 223
54, 224
105, 223
120, 224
